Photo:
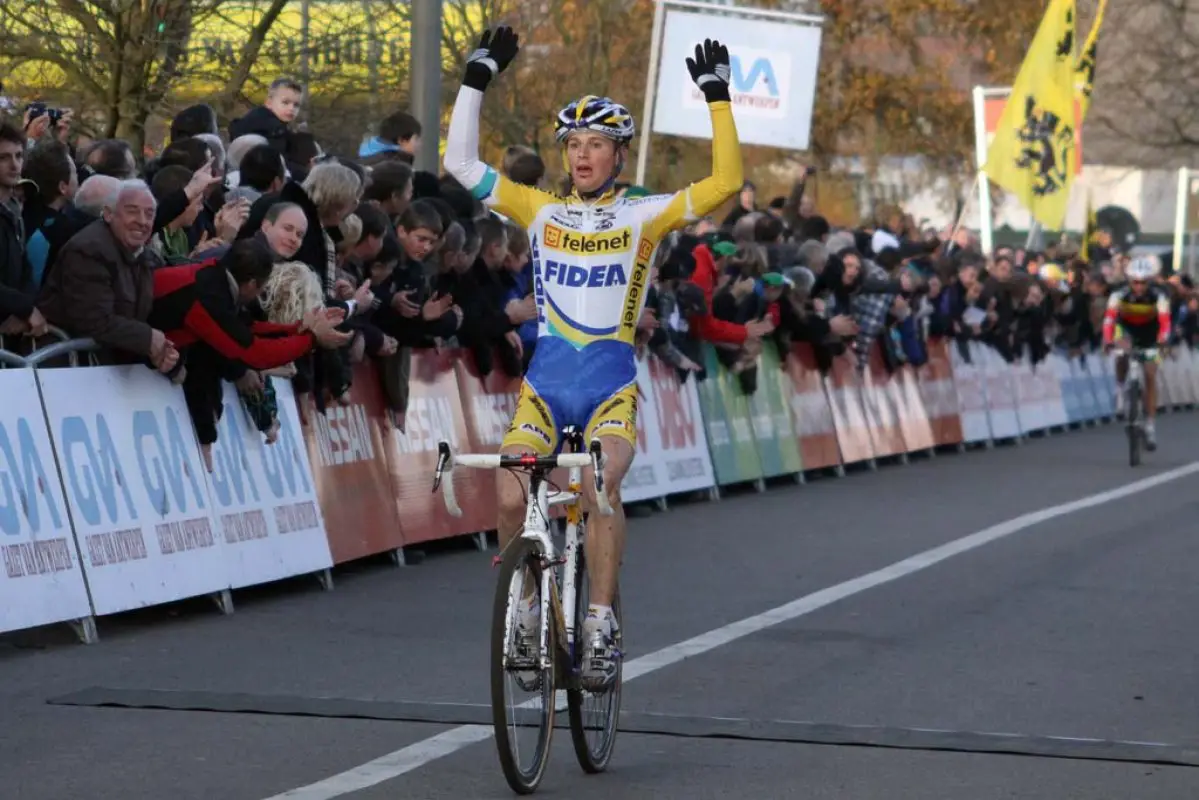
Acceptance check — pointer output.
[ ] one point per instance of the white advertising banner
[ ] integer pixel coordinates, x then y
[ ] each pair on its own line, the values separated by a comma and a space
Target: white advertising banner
970, 383
135, 485
264, 495
42, 581
681, 444
1002, 406
645, 479
773, 81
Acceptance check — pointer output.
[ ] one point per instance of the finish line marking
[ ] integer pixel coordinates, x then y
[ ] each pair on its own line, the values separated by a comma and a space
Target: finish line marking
407, 759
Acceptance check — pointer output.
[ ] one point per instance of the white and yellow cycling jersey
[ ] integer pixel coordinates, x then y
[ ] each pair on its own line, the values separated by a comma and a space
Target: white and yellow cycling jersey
591, 272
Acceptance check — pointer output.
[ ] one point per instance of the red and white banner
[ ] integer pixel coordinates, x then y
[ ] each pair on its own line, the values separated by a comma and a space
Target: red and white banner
346, 448
672, 448
488, 404
814, 422
845, 401
939, 395
913, 417
681, 444
886, 434
42, 581
435, 414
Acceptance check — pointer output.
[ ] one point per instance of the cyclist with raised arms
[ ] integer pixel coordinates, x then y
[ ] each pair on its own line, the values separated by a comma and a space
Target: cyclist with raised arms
1140, 314
591, 252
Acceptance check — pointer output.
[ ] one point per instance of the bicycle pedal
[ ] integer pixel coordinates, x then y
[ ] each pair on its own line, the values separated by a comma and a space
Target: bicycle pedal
497, 560
522, 664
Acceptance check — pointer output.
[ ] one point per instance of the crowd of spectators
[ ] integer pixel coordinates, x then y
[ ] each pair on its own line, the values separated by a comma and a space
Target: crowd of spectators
236, 257
783, 274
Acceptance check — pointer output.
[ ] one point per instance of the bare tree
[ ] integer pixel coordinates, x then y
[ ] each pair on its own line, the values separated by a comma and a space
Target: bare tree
1145, 110
123, 56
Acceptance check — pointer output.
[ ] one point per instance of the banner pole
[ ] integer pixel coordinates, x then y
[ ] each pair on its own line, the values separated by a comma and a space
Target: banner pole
651, 85
984, 186
1180, 216
957, 224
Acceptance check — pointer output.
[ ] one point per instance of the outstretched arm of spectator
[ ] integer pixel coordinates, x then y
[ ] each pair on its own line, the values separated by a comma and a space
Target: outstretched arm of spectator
262, 328
233, 340
791, 210
664, 348
214, 319
709, 329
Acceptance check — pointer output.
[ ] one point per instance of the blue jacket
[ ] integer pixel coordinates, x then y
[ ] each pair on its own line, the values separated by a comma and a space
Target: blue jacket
522, 285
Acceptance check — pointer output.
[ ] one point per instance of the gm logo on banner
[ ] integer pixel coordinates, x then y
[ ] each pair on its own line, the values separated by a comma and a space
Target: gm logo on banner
758, 85
98, 480
25, 491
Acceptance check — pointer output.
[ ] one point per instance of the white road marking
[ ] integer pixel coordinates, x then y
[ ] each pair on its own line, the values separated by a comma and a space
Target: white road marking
417, 755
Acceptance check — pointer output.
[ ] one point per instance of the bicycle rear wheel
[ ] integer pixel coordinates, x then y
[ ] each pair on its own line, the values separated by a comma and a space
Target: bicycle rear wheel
593, 716
515, 673
1133, 412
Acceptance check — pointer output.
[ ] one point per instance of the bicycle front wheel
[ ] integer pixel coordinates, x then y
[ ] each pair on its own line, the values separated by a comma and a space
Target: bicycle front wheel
522, 692
1133, 411
593, 715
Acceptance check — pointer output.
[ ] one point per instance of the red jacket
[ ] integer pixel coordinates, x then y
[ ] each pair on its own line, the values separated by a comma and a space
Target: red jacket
196, 303
708, 327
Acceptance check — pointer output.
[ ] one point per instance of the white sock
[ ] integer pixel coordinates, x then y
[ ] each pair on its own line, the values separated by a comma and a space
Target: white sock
599, 612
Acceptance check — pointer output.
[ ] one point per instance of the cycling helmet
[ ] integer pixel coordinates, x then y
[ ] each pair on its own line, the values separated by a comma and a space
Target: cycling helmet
1143, 268
597, 114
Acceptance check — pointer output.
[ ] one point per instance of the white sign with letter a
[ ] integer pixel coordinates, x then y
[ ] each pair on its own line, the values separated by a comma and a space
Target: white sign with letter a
772, 84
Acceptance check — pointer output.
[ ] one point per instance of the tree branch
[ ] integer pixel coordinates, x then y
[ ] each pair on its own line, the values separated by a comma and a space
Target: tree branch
250, 52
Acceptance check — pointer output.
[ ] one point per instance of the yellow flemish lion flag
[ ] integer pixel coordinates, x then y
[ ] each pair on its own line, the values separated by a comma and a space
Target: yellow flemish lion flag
1084, 70
1032, 154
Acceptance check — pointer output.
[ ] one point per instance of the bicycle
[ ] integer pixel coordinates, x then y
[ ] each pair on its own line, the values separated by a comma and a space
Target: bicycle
561, 587
1133, 393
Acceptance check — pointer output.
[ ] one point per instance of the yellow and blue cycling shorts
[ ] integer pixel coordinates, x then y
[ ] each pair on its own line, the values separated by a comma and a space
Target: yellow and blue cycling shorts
535, 427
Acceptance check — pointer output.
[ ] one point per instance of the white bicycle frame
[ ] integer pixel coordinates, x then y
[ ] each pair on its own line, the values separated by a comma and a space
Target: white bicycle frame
537, 530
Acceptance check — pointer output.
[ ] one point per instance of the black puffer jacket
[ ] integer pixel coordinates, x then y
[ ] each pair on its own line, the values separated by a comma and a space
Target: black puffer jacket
16, 278
262, 121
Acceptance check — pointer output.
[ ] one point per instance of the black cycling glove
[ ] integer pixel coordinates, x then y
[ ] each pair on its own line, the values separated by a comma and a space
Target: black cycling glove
711, 71
494, 53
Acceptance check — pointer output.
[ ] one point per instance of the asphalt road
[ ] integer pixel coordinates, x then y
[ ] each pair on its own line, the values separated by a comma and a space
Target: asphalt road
985, 668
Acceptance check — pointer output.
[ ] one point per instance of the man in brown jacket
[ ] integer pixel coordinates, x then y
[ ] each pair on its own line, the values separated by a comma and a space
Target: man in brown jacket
101, 284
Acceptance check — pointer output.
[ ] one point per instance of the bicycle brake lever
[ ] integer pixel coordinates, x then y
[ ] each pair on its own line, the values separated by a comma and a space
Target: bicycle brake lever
597, 463
443, 460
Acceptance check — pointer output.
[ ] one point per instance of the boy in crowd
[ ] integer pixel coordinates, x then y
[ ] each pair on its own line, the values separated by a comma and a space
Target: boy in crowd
403, 308
272, 120
519, 303
398, 140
